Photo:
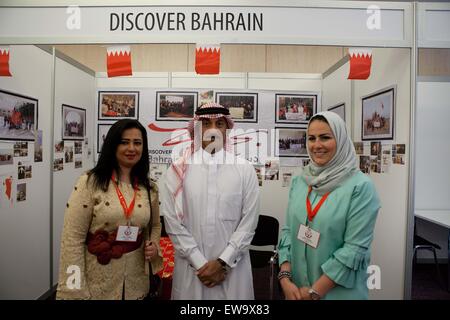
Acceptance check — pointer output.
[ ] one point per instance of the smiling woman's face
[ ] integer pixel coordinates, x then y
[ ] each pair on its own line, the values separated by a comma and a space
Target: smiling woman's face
129, 150
321, 142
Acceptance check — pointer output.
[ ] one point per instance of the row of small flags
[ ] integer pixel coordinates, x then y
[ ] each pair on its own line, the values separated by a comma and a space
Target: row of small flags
207, 61
118, 60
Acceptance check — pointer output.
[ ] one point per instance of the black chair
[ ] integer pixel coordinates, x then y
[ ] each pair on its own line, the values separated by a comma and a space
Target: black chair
266, 234
421, 243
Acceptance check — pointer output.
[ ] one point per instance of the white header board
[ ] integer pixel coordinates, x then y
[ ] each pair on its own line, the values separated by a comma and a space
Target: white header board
434, 25
354, 23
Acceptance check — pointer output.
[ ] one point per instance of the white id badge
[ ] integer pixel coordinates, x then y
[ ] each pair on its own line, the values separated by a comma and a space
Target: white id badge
308, 236
127, 233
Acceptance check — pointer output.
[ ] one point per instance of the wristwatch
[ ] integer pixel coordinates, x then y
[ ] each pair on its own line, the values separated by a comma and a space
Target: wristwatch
224, 265
314, 295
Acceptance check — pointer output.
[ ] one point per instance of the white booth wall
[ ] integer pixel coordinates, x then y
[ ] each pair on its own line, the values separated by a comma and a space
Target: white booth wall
25, 237
432, 179
73, 87
25, 228
337, 89
389, 67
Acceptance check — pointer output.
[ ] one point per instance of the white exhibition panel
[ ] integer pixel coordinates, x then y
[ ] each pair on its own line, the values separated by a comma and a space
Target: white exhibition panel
434, 25
432, 186
25, 227
390, 67
432, 172
286, 81
273, 22
223, 81
141, 80
75, 88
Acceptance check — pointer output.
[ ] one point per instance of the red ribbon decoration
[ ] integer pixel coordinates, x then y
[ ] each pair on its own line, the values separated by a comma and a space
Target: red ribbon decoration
312, 212
127, 210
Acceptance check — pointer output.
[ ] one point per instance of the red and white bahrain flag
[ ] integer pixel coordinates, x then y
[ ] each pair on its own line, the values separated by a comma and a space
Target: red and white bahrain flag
207, 59
119, 61
360, 63
4, 62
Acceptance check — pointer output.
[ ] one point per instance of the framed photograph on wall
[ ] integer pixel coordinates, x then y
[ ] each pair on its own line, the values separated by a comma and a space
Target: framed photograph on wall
338, 109
377, 120
18, 116
290, 142
115, 105
243, 107
295, 108
179, 106
73, 123
102, 131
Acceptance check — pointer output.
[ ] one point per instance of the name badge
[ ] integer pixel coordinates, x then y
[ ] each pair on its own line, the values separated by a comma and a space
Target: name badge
127, 233
308, 236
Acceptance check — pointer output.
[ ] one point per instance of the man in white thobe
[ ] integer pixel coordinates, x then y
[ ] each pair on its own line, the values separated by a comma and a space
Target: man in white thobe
210, 203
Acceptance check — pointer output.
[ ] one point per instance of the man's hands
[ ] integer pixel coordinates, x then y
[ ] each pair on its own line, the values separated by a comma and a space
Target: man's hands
212, 273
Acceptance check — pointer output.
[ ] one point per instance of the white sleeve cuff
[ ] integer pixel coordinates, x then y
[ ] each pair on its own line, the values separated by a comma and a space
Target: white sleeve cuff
196, 259
229, 256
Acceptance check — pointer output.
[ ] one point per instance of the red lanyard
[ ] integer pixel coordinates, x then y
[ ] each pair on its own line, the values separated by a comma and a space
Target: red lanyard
128, 211
312, 212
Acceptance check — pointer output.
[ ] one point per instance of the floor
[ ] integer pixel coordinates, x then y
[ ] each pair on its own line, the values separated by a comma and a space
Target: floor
425, 285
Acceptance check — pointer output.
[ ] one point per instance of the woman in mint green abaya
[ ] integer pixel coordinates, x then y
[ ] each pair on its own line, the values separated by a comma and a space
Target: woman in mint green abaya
324, 250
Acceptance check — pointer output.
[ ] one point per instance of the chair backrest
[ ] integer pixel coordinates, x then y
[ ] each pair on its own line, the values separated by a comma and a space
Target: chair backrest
266, 232
421, 241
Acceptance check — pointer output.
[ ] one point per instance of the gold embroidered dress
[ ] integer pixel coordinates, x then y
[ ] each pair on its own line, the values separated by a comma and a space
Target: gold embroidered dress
88, 210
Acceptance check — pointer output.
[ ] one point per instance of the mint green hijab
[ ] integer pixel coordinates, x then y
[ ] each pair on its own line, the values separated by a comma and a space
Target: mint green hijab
342, 166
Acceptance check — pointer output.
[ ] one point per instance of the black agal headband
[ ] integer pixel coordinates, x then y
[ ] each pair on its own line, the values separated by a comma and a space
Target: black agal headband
212, 110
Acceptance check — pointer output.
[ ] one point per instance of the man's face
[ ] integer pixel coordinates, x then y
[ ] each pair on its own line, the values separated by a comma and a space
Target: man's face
213, 134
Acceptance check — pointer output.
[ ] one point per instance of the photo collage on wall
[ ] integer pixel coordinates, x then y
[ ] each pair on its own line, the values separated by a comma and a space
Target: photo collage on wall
377, 124
170, 110
20, 145
378, 157
292, 112
295, 110
378, 111
113, 106
69, 150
